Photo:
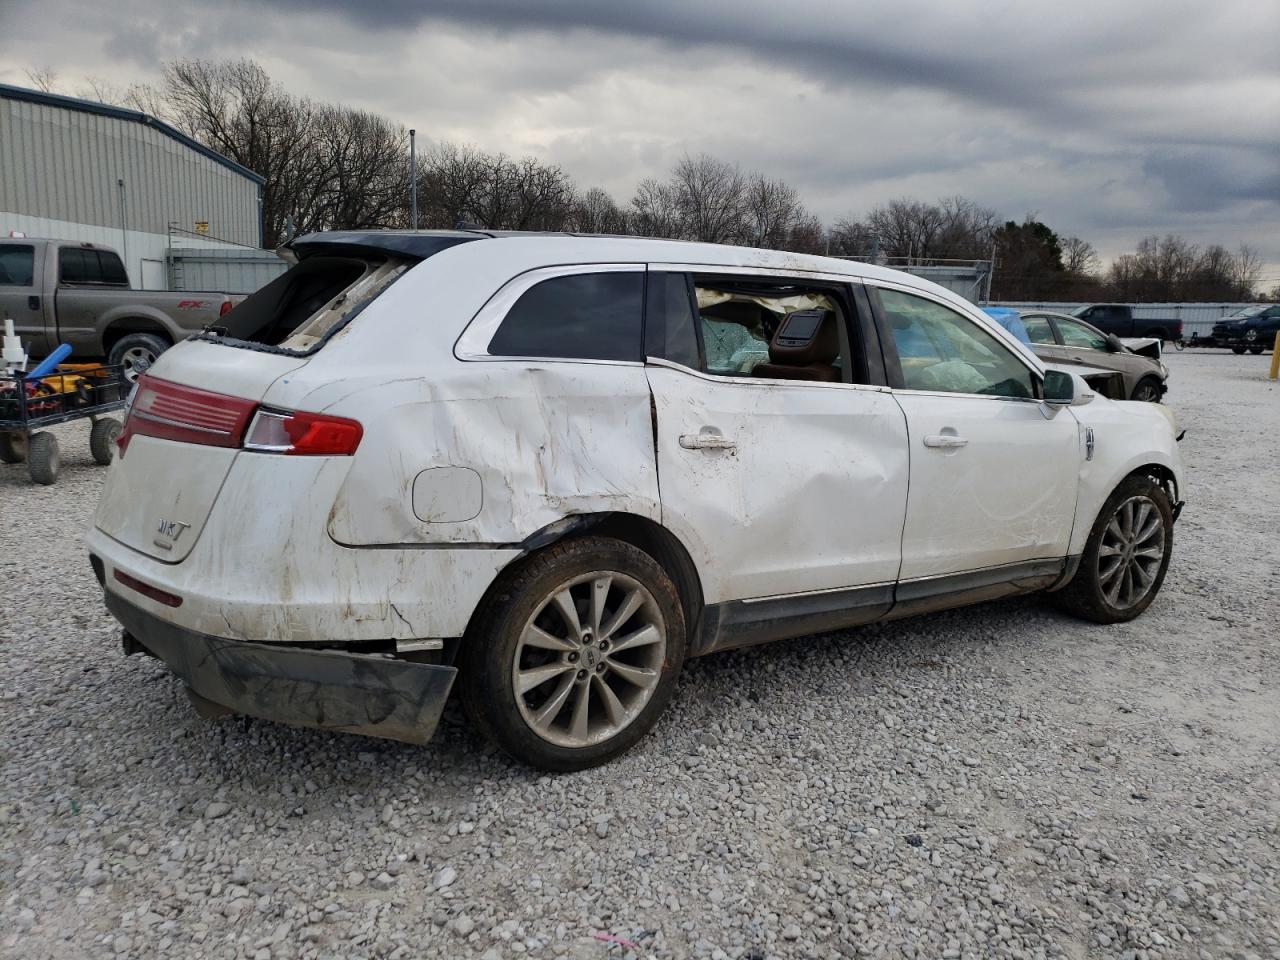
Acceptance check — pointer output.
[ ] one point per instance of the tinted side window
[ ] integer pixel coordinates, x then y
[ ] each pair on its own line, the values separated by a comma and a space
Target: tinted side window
588, 316
670, 324
1038, 329
943, 351
17, 265
78, 266
112, 268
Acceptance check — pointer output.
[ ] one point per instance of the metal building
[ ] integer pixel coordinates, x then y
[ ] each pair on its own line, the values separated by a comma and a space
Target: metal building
78, 170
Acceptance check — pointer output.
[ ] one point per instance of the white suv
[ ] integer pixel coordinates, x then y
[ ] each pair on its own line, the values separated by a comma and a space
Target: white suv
553, 467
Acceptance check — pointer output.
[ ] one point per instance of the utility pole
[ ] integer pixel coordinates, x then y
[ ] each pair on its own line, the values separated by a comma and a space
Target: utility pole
413, 181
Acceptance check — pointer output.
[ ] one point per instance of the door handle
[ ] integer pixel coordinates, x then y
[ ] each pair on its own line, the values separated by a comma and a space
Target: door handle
706, 440
945, 441
33, 303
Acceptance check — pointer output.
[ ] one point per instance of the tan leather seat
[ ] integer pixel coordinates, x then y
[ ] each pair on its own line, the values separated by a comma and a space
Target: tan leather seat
812, 360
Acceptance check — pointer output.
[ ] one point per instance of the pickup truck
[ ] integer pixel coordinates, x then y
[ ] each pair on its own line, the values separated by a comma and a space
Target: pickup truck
1118, 318
59, 291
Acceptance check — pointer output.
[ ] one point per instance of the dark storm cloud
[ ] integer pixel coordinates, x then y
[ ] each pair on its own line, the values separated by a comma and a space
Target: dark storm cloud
1201, 179
1111, 120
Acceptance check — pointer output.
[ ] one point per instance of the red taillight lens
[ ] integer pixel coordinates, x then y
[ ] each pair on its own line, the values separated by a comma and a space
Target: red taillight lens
171, 411
303, 434
224, 309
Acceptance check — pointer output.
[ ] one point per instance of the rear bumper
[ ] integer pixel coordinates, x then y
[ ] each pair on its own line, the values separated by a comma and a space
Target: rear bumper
327, 689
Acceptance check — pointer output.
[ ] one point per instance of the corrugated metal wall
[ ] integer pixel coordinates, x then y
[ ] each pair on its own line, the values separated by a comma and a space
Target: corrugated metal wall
63, 164
230, 271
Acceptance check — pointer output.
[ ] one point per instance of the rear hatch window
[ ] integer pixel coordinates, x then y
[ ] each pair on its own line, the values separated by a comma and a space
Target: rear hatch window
298, 311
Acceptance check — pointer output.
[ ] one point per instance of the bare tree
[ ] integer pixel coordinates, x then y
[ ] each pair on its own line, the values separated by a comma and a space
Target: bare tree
1079, 257
1247, 269
43, 78
656, 210
711, 195
236, 109
597, 212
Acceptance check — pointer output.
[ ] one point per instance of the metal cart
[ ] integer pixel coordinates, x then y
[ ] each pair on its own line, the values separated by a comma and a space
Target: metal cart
72, 392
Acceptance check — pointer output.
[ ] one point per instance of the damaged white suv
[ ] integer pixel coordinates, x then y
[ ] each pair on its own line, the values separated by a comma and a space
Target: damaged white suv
552, 467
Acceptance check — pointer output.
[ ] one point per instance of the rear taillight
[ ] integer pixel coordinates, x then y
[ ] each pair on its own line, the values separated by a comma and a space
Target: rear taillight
224, 309
172, 411
303, 434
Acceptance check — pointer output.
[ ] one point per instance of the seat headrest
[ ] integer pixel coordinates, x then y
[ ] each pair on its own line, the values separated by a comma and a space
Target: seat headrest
822, 347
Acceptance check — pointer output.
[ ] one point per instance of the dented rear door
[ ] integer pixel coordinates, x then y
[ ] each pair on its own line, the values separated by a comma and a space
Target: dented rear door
780, 487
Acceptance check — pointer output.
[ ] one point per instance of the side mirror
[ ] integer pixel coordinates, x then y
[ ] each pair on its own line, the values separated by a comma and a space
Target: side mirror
1114, 344
1059, 388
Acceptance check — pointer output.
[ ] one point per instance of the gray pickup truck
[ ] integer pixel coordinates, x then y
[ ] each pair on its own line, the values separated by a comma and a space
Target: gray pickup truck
58, 291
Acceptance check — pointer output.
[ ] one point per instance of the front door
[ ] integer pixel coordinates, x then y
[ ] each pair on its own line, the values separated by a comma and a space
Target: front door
993, 471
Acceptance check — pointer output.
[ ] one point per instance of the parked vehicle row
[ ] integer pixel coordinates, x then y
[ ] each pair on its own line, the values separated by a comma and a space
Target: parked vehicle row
551, 468
58, 292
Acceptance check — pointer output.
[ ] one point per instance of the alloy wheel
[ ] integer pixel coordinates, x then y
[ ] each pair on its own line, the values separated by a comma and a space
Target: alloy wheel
135, 362
1130, 552
589, 659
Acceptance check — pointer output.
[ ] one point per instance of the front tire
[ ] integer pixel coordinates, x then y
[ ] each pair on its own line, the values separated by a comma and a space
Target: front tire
575, 654
1125, 557
1147, 390
136, 352
1237, 349
1256, 350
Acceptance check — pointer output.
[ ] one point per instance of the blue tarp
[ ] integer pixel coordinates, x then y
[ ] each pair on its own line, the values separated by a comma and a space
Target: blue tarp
1008, 318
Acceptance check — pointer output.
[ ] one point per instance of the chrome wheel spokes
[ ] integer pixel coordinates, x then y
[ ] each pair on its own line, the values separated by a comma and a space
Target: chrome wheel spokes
589, 659
1131, 552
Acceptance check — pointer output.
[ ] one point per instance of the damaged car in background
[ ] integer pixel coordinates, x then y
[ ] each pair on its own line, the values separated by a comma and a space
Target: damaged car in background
1061, 339
545, 470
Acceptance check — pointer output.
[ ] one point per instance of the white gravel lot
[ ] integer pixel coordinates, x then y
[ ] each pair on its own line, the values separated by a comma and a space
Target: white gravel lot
994, 781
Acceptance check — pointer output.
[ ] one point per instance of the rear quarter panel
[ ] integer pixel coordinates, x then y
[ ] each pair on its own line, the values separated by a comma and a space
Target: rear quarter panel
547, 439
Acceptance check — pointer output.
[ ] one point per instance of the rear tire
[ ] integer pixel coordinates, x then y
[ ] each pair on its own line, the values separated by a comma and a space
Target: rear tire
544, 670
102, 440
13, 447
43, 460
1256, 350
1237, 349
136, 352
1125, 557
1147, 390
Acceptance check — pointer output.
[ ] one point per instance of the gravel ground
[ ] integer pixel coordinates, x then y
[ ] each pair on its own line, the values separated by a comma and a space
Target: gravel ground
994, 781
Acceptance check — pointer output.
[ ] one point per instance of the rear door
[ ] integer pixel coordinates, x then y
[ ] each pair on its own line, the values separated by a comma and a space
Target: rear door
779, 486
20, 295
993, 474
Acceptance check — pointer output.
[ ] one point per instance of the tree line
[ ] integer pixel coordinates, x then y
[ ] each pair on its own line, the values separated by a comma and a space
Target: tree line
329, 167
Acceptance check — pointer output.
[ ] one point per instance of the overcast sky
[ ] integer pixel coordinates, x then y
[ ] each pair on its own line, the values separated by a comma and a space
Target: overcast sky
1112, 120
